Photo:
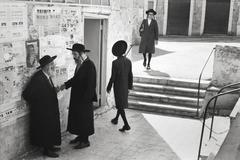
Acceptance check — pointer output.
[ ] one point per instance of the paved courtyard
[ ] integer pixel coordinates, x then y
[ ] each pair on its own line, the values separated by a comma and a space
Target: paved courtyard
152, 137
181, 57
142, 142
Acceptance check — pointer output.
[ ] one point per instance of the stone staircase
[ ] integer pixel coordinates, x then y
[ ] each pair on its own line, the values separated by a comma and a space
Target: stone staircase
167, 95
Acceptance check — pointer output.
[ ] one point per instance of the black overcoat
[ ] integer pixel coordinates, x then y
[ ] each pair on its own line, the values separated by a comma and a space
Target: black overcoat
122, 80
148, 36
83, 93
44, 111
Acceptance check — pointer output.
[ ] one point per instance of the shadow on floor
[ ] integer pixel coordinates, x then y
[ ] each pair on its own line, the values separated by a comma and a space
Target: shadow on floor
138, 56
157, 73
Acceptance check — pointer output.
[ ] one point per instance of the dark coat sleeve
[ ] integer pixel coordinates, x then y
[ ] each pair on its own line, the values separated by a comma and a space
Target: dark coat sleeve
141, 28
130, 77
31, 90
72, 81
112, 79
155, 30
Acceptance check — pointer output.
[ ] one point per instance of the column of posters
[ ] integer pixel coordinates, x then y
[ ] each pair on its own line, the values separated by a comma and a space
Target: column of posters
13, 22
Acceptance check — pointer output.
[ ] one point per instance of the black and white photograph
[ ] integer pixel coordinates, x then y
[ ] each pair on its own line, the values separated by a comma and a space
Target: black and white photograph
120, 79
32, 53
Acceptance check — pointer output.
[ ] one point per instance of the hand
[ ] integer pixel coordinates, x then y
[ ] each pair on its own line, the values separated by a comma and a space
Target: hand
57, 89
62, 87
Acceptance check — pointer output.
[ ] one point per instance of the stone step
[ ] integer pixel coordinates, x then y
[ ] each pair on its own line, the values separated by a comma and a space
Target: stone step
163, 108
186, 83
172, 90
166, 99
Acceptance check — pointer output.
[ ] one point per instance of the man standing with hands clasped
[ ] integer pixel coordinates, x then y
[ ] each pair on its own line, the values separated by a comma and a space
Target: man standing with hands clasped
83, 93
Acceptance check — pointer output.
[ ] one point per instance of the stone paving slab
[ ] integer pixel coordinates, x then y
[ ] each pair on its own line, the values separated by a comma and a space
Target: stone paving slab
142, 142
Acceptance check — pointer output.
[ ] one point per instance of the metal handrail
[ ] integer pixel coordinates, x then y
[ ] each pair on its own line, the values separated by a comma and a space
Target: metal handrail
215, 102
205, 113
199, 80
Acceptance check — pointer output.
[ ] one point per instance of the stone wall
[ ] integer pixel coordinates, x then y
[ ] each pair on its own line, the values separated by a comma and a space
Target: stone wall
226, 68
197, 19
197, 16
160, 16
121, 18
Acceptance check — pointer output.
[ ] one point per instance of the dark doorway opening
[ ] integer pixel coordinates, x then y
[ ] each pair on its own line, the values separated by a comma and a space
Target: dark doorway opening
178, 17
216, 18
93, 39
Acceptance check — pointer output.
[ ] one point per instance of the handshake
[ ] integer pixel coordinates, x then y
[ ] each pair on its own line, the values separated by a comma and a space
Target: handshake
60, 88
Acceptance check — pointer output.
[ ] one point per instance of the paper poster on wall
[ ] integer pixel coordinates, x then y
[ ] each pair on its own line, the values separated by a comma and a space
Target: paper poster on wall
54, 45
1, 91
47, 20
12, 54
72, 26
10, 112
7, 78
13, 22
32, 51
18, 82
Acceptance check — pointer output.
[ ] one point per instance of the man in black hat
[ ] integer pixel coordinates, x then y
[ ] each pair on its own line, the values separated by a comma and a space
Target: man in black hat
83, 93
41, 96
149, 36
122, 78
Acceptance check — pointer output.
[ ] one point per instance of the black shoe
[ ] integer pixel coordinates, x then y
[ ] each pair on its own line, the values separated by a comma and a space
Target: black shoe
148, 67
125, 128
114, 121
144, 63
82, 145
75, 140
55, 149
49, 153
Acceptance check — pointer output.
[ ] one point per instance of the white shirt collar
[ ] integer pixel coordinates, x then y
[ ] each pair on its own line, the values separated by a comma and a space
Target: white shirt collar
149, 21
46, 74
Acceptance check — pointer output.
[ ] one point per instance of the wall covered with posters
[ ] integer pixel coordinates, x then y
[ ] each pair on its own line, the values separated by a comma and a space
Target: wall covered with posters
31, 30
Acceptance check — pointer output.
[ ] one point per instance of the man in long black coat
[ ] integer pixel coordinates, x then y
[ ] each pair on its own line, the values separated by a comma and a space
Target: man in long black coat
149, 36
41, 96
83, 93
122, 79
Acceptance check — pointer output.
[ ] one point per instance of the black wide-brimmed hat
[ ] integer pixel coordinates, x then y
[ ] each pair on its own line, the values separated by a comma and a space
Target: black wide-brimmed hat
151, 10
79, 48
45, 60
119, 48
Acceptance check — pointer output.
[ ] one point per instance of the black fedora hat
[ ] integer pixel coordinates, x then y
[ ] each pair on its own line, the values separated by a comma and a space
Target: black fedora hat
79, 48
119, 48
151, 10
45, 60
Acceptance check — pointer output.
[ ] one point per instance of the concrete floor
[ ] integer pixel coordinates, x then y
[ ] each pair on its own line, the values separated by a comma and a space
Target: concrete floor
142, 142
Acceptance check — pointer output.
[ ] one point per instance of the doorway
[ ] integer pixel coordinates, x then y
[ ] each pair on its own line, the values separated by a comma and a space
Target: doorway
93, 40
178, 17
216, 18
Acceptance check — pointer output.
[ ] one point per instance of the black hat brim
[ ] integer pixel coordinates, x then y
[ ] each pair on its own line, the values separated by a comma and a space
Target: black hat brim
151, 10
49, 61
86, 50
